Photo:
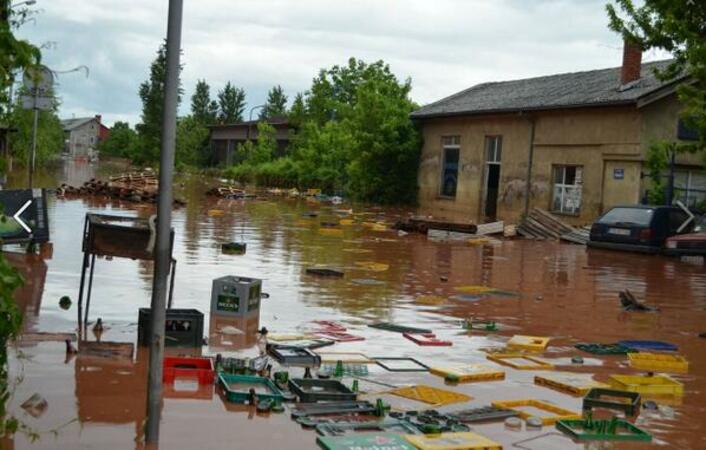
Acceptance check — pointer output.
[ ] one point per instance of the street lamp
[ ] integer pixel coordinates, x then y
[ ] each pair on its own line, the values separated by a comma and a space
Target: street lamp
26, 3
247, 133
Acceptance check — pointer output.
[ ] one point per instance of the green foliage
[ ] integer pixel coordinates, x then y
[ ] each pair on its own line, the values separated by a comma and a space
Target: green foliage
276, 104
354, 136
50, 133
657, 162
203, 109
231, 104
15, 54
152, 95
676, 26
191, 142
122, 141
266, 145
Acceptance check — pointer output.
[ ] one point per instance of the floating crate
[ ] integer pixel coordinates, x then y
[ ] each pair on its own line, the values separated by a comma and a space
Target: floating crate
201, 368
519, 361
453, 441
388, 425
583, 430
658, 362
427, 340
346, 357
378, 441
577, 384
628, 402
289, 355
182, 327
401, 364
387, 326
603, 349
327, 409
558, 412
357, 370
655, 385
265, 389
235, 296
311, 390
529, 343
473, 372
482, 414
430, 395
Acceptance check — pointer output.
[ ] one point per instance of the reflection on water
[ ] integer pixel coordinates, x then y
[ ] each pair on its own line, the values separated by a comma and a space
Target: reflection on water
550, 289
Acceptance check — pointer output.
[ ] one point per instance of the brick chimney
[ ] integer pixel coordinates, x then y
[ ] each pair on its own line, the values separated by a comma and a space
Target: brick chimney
98, 118
632, 62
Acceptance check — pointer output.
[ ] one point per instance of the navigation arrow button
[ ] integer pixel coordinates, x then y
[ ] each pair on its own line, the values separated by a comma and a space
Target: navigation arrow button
19, 220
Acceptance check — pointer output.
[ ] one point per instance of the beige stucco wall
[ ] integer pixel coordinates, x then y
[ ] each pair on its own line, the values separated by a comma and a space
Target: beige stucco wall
585, 137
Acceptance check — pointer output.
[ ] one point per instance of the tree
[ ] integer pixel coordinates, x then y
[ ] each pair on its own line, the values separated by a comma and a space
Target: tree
50, 133
152, 95
231, 102
676, 26
276, 104
122, 141
191, 142
297, 113
203, 109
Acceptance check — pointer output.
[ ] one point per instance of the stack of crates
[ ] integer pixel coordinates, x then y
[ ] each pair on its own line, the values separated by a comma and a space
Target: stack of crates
235, 296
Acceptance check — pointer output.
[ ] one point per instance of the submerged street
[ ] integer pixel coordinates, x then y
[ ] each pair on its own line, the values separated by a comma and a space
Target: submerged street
562, 291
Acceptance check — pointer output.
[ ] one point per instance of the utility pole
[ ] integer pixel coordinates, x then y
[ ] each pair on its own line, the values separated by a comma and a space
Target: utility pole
33, 156
162, 256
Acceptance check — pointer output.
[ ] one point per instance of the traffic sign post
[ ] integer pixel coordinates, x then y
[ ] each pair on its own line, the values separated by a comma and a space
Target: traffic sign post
39, 81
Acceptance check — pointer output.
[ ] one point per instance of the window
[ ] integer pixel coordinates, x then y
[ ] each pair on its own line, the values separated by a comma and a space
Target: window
449, 174
493, 149
567, 189
628, 216
690, 187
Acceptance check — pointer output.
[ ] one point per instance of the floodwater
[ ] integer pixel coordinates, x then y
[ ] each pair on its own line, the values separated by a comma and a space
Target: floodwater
563, 291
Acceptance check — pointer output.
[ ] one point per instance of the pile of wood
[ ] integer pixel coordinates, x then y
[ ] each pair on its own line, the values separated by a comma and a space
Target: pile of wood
227, 192
539, 224
133, 187
420, 224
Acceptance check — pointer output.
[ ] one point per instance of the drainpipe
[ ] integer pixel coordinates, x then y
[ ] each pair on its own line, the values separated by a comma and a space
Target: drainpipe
670, 183
530, 160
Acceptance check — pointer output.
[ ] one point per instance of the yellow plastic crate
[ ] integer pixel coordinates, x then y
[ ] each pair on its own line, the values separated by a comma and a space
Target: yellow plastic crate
331, 231
473, 372
430, 395
577, 384
556, 412
453, 441
346, 357
519, 361
659, 362
530, 343
346, 221
655, 385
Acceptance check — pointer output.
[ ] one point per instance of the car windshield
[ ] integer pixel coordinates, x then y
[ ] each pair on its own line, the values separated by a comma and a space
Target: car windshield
628, 217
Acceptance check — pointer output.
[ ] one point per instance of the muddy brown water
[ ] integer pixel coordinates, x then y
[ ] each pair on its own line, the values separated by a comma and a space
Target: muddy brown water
564, 291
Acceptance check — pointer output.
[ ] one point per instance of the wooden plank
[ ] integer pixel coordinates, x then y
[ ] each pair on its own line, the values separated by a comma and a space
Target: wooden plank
490, 228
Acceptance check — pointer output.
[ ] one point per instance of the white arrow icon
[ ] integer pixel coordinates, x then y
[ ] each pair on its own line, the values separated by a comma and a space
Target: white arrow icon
20, 221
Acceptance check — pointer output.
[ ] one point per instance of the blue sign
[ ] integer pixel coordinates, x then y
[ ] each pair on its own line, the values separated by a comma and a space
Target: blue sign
618, 174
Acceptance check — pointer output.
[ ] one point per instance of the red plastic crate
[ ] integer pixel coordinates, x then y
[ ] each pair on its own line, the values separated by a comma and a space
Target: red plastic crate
201, 368
339, 336
427, 339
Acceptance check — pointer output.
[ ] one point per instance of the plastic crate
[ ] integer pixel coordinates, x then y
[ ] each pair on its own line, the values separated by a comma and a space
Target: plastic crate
473, 372
242, 394
516, 405
427, 340
453, 441
584, 430
482, 414
378, 441
311, 390
382, 426
182, 327
289, 355
658, 362
603, 349
201, 368
519, 361
649, 345
655, 385
628, 402
529, 343
571, 383
235, 296
430, 395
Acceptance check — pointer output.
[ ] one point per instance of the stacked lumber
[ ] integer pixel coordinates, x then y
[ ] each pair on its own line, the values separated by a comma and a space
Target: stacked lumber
132, 187
226, 191
539, 224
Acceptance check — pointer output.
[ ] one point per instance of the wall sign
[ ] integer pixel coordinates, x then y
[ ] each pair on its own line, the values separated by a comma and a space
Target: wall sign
618, 174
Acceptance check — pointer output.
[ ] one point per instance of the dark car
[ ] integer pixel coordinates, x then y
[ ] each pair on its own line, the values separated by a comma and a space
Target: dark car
638, 228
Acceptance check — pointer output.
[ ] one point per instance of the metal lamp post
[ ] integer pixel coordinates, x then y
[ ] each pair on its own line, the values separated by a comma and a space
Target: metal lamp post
247, 132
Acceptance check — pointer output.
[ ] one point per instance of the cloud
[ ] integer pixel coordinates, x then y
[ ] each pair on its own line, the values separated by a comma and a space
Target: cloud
444, 46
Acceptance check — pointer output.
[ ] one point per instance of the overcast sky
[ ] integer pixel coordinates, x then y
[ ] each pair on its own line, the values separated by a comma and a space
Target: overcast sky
443, 45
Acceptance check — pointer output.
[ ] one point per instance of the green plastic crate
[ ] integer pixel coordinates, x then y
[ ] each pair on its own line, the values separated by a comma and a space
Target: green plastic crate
624, 431
241, 395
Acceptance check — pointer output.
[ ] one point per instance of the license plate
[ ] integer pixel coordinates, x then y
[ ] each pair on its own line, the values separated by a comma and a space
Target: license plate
619, 231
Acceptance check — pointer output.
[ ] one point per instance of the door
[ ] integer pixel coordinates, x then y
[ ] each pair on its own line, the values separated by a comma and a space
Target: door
493, 154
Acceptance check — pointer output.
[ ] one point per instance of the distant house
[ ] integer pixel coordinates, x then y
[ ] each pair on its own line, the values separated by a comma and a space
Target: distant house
225, 138
574, 144
82, 135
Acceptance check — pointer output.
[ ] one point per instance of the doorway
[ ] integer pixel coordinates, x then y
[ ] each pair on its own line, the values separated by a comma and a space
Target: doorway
493, 155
